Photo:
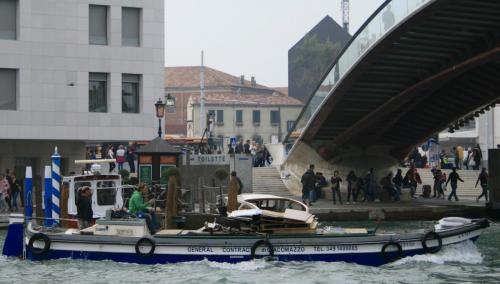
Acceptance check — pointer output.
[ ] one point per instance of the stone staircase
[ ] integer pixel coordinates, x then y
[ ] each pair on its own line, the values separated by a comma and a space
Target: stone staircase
465, 189
267, 180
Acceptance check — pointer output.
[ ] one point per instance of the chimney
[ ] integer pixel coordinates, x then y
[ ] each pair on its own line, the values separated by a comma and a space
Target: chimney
242, 80
254, 83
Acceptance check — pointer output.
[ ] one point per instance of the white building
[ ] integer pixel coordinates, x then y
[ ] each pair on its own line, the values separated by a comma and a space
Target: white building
262, 118
74, 72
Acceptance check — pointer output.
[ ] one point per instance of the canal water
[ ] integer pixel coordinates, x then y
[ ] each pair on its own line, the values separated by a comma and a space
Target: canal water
467, 263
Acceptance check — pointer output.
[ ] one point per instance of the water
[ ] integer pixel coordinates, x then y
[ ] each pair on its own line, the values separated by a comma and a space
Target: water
469, 263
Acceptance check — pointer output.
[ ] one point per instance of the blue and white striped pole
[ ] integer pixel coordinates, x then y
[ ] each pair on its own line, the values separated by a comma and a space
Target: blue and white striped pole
28, 193
47, 199
56, 183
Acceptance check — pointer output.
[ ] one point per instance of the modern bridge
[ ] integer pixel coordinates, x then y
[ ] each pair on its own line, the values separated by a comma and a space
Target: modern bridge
413, 68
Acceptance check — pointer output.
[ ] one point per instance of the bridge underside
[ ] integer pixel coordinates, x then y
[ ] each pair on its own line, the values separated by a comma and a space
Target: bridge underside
431, 70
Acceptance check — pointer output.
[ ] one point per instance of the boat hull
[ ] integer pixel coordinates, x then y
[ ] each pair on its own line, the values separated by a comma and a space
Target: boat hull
373, 250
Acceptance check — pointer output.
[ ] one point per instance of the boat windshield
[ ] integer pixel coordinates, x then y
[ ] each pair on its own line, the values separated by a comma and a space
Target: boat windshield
277, 205
106, 192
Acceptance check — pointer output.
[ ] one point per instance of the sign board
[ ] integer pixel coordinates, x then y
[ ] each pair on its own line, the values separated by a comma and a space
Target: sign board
145, 173
232, 141
221, 159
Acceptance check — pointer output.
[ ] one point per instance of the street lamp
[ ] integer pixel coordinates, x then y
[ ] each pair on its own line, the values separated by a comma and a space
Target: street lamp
170, 101
160, 112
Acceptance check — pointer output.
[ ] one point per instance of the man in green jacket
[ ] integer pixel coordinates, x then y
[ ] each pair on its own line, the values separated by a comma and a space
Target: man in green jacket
141, 209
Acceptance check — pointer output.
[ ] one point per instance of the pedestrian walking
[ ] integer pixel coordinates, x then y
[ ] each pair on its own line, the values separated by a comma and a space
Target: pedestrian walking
336, 181
4, 193
477, 155
246, 147
413, 179
111, 155
351, 187
320, 182
387, 185
120, 157
15, 188
453, 179
130, 157
308, 181
483, 180
398, 183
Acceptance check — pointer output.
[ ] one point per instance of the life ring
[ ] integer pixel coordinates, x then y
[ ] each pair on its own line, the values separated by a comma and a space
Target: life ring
430, 236
260, 243
385, 254
145, 242
39, 237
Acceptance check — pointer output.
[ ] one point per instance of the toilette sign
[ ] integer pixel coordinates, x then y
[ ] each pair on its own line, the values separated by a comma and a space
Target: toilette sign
207, 159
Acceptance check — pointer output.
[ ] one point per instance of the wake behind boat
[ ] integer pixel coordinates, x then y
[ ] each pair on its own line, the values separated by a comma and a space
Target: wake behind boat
264, 226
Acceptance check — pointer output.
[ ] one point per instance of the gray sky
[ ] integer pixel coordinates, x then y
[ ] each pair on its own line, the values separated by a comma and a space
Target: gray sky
249, 37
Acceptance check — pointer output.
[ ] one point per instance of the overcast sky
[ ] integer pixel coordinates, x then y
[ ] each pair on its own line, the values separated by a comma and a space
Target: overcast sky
248, 37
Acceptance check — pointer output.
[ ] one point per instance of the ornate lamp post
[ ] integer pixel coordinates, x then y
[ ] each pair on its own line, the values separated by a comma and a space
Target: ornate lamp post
160, 112
160, 109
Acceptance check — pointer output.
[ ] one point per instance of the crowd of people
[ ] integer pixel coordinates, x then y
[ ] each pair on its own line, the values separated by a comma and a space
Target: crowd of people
260, 155
10, 189
460, 158
368, 188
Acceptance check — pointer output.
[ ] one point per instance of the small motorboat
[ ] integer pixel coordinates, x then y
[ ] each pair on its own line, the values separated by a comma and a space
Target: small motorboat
264, 226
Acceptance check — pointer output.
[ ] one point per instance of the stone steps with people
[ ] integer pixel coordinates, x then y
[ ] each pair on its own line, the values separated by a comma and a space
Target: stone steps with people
267, 180
464, 190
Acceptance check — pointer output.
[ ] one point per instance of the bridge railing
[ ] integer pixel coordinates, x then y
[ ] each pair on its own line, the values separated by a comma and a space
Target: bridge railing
380, 23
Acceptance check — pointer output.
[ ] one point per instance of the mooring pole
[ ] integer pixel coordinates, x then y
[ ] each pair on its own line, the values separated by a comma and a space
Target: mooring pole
28, 193
56, 182
48, 197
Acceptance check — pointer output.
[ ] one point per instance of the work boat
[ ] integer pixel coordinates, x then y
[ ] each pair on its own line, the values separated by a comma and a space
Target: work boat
264, 226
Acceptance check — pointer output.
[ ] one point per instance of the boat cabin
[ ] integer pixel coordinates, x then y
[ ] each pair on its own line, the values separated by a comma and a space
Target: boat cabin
106, 192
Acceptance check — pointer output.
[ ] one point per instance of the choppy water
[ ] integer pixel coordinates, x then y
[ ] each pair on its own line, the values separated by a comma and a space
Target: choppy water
469, 263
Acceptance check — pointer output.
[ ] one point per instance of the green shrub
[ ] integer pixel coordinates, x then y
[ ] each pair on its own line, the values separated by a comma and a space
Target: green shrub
221, 174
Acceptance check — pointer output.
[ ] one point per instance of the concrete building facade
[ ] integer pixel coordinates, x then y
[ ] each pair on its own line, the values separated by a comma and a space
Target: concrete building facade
76, 72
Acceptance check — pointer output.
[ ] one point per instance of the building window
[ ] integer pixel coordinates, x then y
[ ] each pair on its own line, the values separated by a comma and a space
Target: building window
131, 26
256, 117
220, 117
8, 19
130, 93
98, 89
275, 117
8, 88
239, 117
98, 24
290, 125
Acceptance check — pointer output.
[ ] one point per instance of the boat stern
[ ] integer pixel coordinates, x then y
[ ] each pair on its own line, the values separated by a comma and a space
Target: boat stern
13, 245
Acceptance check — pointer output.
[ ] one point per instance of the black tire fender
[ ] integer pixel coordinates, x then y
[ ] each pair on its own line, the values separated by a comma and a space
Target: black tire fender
145, 241
39, 237
431, 235
260, 243
385, 254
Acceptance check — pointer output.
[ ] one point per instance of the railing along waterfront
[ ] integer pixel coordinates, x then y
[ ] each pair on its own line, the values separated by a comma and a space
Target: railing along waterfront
381, 22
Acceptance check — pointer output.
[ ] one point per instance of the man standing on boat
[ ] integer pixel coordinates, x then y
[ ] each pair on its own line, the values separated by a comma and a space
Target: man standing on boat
141, 209
84, 208
454, 178
308, 181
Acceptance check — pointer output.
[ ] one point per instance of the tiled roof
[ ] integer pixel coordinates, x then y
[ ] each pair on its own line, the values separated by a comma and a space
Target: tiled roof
158, 145
231, 98
283, 90
189, 76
